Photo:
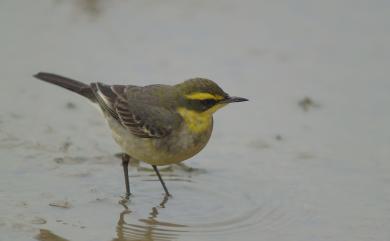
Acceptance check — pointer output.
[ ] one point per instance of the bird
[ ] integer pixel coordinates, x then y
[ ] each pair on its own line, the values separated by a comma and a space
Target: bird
157, 124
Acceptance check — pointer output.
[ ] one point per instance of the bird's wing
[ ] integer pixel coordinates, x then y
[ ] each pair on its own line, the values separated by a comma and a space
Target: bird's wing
141, 118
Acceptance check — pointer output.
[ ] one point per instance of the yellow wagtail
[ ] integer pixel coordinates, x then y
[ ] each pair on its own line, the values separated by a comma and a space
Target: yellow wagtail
158, 124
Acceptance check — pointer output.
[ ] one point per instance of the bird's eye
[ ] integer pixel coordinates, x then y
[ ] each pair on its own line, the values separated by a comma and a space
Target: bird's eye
209, 102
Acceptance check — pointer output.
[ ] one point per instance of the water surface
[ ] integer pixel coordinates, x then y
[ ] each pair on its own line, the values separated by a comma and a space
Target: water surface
306, 159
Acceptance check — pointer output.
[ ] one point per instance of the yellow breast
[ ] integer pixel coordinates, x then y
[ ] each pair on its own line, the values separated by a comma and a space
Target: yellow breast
196, 122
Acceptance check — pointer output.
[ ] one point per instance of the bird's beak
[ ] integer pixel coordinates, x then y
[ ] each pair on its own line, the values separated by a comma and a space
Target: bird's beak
232, 99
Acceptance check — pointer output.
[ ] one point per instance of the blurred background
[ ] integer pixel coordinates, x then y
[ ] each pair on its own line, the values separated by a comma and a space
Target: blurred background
306, 159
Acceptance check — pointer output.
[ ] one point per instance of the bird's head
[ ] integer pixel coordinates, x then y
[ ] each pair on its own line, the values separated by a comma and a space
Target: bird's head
204, 96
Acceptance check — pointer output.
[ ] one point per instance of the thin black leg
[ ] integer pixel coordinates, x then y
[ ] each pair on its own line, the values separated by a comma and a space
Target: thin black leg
125, 164
161, 180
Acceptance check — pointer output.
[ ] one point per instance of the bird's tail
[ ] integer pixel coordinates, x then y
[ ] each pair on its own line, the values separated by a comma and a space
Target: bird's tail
70, 84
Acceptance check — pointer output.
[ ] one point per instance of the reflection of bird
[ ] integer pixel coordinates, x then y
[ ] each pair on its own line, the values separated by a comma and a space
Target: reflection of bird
47, 235
158, 124
149, 228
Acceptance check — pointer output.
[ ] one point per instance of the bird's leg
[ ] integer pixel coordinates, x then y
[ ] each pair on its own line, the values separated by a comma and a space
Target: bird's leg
161, 180
125, 164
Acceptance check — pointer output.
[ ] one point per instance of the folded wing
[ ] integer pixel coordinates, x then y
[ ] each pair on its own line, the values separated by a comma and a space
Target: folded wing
144, 119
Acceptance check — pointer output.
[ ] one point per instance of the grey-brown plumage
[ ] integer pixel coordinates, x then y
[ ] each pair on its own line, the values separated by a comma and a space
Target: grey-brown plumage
138, 108
67, 83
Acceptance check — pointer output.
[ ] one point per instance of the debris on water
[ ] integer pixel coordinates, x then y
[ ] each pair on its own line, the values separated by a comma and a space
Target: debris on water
69, 160
278, 137
22, 204
38, 220
307, 103
65, 146
59, 160
61, 204
70, 105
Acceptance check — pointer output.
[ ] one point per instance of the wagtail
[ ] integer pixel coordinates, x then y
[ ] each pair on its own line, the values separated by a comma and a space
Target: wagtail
158, 124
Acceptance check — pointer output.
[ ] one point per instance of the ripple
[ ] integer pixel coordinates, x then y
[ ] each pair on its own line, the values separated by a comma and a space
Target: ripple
200, 206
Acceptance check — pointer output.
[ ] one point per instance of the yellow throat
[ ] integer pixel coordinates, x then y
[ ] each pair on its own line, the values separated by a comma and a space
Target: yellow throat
198, 122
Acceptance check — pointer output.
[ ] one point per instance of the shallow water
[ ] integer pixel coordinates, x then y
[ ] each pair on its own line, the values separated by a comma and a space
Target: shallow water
306, 159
